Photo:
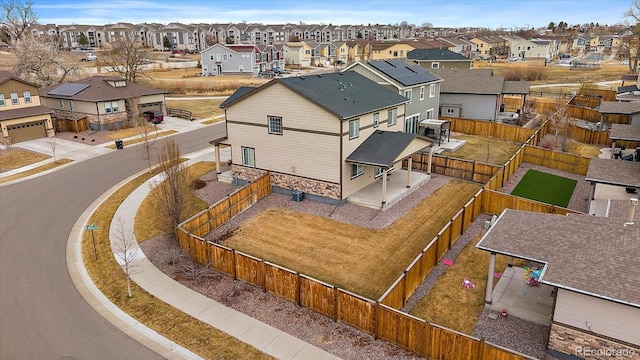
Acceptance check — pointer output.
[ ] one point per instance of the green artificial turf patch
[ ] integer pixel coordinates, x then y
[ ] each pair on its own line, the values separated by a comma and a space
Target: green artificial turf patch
546, 188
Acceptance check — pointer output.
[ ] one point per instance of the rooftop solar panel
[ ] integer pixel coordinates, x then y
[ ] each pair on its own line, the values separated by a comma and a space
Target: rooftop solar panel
404, 73
68, 89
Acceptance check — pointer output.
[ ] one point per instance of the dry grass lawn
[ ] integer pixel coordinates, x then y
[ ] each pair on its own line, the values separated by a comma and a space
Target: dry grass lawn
587, 150
147, 222
17, 158
484, 149
451, 305
345, 255
200, 109
183, 329
35, 170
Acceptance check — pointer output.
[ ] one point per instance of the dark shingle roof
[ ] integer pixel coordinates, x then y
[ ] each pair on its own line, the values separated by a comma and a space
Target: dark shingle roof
24, 112
99, 89
624, 132
436, 55
239, 93
626, 89
614, 172
346, 95
515, 87
588, 254
381, 148
402, 72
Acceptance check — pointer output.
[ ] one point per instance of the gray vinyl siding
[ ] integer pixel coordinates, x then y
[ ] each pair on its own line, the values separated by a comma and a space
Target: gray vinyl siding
479, 107
231, 66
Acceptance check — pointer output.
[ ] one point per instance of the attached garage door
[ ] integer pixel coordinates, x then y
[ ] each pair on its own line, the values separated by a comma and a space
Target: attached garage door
27, 131
150, 107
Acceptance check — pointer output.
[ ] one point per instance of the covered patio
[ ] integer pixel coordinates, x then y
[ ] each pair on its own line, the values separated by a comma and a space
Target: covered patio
611, 180
385, 151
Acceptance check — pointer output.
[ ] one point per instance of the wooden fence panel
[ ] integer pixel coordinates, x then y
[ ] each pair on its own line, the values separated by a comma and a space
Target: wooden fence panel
494, 202
445, 344
356, 311
531, 205
282, 282
394, 296
222, 259
467, 215
477, 204
429, 257
400, 328
413, 277
575, 164
456, 226
250, 269
201, 251
318, 296
444, 240
494, 352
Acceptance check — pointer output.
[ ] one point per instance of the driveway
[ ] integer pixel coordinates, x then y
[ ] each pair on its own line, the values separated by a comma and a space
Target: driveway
42, 314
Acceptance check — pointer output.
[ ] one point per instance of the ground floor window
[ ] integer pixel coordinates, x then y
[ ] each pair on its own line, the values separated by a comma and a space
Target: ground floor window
356, 170
248, 156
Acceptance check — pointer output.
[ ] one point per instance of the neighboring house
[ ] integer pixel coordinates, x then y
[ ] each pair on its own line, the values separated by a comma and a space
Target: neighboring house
581, 43
297, 54
409, 80
359, 49
22, 117
439, 59
460, 46
491, 47
390, 50
530, 49
476, 94
319, 143
106, 102
232, 60
592, 264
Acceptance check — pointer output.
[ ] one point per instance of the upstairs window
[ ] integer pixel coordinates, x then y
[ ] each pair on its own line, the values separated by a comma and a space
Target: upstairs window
275, 125
2, 102
14, 98
354, 129
408, 93
421, 92
27, 96
376, 120
392, 117
432, 90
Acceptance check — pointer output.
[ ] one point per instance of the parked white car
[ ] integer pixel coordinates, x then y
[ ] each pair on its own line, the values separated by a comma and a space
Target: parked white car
90, 57
625, 62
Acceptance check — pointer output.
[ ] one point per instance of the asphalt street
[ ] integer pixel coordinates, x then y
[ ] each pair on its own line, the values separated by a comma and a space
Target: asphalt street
42, 315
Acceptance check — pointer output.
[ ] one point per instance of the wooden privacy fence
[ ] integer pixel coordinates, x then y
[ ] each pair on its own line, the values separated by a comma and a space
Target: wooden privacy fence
458, 168
574, 164
180, 113
219, 213
494, 202
490, 128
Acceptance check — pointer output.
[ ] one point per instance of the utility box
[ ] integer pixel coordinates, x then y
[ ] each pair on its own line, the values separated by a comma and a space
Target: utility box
298, 196
119, 144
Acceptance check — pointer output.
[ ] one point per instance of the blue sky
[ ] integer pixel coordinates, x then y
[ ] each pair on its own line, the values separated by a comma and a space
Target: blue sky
446, 13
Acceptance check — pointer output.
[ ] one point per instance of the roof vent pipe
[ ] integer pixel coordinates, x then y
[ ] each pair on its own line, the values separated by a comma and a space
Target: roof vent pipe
632, 209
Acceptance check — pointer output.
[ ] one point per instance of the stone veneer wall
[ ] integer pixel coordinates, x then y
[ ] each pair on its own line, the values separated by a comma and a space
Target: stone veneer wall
588, 346
284, 181
102, 122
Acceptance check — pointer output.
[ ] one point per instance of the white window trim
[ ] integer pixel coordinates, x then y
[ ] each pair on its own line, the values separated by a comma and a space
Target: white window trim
432, 90
435, 65
354, 132
61, 103
251, 156
376, 120
359, 170
393, 112
421, 93
410, 95
271, 127
15, 100
2, 100
27, 96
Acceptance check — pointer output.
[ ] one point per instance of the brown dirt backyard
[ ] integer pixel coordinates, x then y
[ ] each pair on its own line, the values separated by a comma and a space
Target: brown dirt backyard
321, 232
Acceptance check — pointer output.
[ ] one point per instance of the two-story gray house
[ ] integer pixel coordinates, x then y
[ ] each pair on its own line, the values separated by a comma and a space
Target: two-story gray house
421, 87
230, 60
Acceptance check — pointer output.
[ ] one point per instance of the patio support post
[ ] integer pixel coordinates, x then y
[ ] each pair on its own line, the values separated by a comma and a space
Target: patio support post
384, 187
488, 298
410, 161
613, 146
217, 148
430, 158
592, 192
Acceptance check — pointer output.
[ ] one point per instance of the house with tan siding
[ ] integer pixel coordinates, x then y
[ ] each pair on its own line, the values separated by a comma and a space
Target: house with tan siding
103, 102
390, 50
22, 116
591, 262
317, 143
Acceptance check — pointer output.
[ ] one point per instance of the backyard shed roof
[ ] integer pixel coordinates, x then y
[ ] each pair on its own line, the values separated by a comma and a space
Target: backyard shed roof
516, 87
624, 132
614, 172
383, 148
587, 254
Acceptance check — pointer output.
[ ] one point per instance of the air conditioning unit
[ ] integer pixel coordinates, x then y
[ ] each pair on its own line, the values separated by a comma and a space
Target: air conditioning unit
298, 196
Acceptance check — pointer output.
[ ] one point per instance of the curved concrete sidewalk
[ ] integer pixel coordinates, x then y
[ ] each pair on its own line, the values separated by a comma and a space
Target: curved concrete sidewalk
248, 330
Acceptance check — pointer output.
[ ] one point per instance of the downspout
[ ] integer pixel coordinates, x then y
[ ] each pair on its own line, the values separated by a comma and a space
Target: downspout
98, 116
341, 160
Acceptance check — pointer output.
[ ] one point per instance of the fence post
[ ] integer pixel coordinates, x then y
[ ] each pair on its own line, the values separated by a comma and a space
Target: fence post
480, 353
298, 295
335, 304
233, 260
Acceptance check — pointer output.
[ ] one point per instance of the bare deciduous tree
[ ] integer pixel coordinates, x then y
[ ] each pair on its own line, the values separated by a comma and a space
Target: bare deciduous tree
127, 58
16, 18
40, 61
148, 135
631, 48
560, 120
53, 144
197, 271
126, 252
170, 195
